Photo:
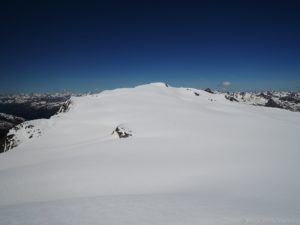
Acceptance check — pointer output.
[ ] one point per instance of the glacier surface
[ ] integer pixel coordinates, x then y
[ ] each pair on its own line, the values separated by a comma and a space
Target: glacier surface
190, 159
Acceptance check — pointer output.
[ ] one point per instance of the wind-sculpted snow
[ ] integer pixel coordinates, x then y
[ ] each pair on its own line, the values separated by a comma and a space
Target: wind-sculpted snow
191, 159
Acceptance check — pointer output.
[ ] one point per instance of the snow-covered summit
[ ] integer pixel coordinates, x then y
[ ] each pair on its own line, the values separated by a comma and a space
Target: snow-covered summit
156, 84
186, 156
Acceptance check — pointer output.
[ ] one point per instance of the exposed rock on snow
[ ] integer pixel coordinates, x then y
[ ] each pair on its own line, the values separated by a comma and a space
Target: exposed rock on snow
122, 132
6, 123
230, 98
196, 93
263, 95
21, 133
209, 91
65, 107
272, 103
290, 99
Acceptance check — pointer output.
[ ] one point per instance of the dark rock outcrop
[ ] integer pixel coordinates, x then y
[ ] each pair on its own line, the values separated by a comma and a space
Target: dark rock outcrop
209, 91
264, 96
7, 122
230, 98
10, 118
65, 107
273, 104
12, 140
122, 132
9, 142
290, 99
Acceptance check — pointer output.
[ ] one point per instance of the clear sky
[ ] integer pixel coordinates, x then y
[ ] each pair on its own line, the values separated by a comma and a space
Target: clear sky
95, 45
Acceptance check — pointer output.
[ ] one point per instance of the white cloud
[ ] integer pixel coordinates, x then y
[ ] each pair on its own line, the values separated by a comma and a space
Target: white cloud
226, 83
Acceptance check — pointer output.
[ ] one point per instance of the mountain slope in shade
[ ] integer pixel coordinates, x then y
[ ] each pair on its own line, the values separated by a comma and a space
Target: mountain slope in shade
192, 157
6, 123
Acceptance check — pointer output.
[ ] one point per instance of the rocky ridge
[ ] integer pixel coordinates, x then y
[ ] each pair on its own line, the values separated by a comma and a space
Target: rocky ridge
284, 100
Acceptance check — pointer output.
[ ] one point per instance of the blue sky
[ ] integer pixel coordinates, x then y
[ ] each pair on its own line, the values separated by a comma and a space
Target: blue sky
87, 46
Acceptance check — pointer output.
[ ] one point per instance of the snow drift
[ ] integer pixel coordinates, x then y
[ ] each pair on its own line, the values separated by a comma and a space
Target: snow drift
192, 157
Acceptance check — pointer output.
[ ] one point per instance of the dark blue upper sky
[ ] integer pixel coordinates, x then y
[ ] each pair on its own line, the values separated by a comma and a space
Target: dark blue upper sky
95, 45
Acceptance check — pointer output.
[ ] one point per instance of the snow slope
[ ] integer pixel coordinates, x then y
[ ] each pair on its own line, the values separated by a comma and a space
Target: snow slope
190, 160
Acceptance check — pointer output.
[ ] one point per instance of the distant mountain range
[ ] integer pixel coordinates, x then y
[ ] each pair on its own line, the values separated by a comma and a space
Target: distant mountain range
32, 106
284, 100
